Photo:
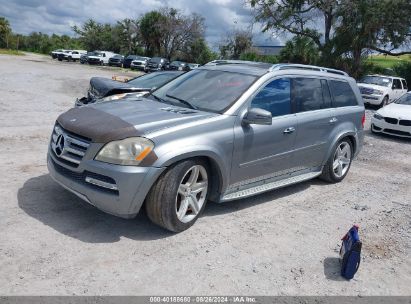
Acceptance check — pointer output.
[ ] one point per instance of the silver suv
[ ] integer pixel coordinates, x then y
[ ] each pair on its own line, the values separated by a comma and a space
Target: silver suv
225, 131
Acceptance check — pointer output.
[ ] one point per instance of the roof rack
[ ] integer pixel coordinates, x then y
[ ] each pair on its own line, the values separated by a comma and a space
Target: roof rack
226, 61
288, 66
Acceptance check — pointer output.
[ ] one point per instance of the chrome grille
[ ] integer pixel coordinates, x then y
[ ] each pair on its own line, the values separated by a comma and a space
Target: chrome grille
68, 147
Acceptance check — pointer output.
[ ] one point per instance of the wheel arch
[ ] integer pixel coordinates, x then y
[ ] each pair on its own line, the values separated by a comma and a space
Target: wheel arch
218, 169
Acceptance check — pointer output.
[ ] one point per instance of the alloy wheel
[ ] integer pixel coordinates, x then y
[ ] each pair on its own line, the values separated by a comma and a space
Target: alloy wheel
192, 193
342, 159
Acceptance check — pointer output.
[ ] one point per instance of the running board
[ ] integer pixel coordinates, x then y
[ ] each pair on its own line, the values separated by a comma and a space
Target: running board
269, 186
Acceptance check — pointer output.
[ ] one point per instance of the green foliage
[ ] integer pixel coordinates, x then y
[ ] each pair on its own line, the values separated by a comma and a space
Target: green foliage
254, 56
349, 29
301, 50
234, 44
11, 52
199, 52
150, 31
403, 70
5, 31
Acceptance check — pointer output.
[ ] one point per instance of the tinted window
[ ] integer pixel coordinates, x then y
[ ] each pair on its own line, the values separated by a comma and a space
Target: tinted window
308, 94
404, 84
396, 84
342, 94
275, 97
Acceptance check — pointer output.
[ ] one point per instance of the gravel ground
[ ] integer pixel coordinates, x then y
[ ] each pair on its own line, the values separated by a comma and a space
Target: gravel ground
284, 242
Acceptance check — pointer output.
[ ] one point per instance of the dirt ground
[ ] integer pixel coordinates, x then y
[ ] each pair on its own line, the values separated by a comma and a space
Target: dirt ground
284, 242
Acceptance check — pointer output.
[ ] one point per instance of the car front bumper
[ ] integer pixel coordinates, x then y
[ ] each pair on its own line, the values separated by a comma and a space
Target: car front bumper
114, 189
381, 126
373, 99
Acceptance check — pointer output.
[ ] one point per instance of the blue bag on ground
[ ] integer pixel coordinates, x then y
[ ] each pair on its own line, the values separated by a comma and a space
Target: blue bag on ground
350, 253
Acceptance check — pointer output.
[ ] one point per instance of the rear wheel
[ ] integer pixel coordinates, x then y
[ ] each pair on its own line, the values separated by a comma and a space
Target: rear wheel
179, 196
339, 162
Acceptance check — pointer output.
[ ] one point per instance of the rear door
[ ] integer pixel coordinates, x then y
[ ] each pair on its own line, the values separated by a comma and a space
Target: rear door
264, 151
316, 120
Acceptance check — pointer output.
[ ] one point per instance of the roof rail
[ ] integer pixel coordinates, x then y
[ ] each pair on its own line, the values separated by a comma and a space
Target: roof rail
230, 61
289, 66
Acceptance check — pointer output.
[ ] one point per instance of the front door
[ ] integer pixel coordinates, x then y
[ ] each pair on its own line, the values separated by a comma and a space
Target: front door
263, 151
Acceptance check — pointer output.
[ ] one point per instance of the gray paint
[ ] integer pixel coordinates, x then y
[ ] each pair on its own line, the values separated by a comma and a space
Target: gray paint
243, 154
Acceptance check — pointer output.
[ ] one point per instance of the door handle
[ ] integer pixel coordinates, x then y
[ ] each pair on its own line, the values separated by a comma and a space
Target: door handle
289, 130
333, 120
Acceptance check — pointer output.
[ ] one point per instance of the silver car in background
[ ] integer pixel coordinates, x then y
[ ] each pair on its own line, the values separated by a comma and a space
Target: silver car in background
225, 131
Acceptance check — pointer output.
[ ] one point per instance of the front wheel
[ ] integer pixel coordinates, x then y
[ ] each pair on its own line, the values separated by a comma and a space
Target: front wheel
339, 162
384, 101
179, 196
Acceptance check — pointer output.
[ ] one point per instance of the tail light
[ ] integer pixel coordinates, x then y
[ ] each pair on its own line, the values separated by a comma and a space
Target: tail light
363, 120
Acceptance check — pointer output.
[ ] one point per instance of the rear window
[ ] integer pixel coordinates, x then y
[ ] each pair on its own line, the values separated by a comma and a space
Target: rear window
343, 95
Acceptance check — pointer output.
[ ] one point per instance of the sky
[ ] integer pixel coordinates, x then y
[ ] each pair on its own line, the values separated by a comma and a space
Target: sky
58, 16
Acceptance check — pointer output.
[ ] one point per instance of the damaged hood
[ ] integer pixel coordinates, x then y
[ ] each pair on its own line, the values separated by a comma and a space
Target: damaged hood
102, 87
133, 117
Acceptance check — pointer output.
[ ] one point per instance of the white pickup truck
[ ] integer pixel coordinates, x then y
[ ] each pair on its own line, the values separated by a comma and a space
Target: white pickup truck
381, 90
100, 57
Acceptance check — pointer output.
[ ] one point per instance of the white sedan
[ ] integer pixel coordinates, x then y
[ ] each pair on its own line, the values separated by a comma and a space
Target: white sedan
395, 118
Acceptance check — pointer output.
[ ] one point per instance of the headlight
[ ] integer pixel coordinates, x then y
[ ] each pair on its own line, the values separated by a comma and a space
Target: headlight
130, 151
114, 97
378, 116
378, 92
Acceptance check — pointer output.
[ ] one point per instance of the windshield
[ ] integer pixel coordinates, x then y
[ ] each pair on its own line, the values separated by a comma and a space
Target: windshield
153, 80
155, 59
404, 99
141, 58
377, 80
207, 90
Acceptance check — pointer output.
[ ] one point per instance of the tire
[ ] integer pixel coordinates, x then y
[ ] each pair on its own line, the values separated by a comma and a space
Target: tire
384, 101
69, 59
336, 169
170, 202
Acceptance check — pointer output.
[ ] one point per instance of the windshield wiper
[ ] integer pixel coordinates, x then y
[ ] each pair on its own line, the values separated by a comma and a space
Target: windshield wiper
183, 102
159, 99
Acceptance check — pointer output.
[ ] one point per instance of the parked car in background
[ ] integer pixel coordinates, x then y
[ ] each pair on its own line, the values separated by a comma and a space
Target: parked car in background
71, 55
54, 54
225, 131
380, 90
63, 54
128, 60
157, 64
116, 60
178, 66
84, 57
140, 63
100, 57
192, 66
395, 118
102, 87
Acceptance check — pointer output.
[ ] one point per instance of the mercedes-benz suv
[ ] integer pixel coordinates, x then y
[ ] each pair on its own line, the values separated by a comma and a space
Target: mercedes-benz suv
225, 131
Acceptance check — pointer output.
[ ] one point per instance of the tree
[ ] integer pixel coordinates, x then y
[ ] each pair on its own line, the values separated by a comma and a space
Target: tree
5, 31
199, 52
347, 28
235, 43
300, 50
150, 32
129, 31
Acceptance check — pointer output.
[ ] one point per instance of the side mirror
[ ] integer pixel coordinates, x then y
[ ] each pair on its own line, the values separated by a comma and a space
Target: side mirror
257, 116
